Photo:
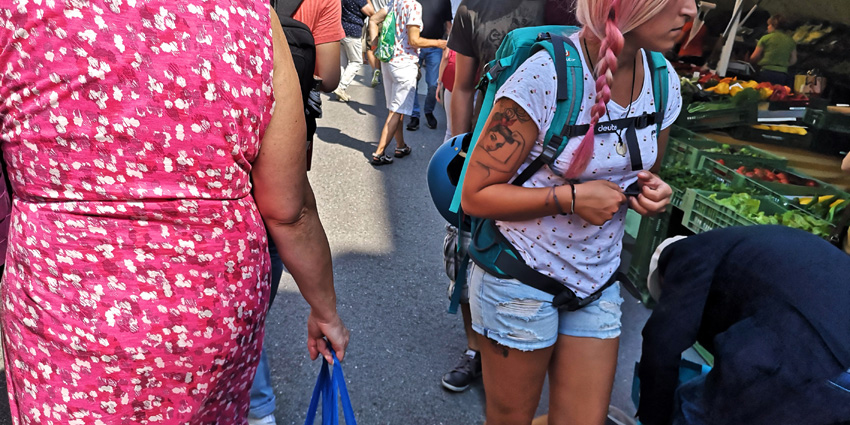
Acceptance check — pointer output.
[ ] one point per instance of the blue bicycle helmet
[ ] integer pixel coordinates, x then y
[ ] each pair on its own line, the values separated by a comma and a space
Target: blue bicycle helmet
443, 174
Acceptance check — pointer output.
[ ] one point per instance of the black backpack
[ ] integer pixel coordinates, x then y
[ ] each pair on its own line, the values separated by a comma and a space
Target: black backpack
303, 49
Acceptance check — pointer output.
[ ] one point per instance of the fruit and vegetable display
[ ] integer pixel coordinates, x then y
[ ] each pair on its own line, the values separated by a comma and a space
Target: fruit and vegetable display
711, 89
827, 207
808, 34
739, 150
748, 207
783, 128
778, 176
680, 178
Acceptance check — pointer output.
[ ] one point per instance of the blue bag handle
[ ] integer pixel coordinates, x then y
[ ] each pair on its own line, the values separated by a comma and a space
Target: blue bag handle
327, 387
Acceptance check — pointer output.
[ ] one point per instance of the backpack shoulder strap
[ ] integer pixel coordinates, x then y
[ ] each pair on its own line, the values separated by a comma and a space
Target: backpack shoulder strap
286, 7
660, 85
570, 93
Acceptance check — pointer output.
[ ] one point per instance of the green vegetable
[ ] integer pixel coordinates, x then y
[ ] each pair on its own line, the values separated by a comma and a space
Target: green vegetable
748, 207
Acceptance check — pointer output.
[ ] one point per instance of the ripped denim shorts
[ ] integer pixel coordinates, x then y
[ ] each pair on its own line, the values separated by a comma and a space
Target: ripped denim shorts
521, 317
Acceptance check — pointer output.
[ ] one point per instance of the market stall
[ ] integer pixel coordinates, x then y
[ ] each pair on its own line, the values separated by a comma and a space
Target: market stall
743, 151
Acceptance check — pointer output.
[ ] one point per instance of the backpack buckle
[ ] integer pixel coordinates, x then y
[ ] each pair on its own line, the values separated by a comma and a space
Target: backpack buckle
642, 121
566, 299
551, 149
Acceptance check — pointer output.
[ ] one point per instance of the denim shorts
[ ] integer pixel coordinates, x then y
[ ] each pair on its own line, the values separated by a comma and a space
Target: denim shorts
518, 316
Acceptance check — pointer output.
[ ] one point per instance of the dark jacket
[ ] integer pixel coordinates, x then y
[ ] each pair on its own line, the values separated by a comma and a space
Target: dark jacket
772, 304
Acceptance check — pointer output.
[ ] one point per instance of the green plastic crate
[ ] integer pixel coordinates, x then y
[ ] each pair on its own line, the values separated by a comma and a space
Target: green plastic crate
833, 121
688, 148
701, 214
720, 118
778, 190
652, 231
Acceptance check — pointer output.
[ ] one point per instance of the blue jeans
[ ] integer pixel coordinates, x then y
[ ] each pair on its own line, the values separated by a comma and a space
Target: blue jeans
262, 394
429, 58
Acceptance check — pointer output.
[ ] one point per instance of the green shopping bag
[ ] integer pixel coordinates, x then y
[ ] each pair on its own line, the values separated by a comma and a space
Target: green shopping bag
386, 41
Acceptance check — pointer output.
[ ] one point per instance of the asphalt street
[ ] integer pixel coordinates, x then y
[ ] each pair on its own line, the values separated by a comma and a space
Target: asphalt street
386, 239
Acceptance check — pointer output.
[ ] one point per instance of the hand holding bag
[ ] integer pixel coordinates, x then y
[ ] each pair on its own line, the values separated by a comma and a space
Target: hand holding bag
327, 388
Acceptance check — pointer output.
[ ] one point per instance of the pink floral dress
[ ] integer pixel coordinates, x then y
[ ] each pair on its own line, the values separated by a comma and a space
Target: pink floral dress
136, 278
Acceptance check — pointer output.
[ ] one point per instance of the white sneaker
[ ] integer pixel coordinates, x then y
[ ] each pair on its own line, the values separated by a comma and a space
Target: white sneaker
265, 420
342, 95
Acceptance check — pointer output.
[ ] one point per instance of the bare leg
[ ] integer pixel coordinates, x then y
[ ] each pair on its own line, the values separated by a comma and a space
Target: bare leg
399, 133
391, 128
471, 335
513, 381
581, 376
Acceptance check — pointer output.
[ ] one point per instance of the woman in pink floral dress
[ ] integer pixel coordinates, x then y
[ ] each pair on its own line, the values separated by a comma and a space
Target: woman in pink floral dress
136, 277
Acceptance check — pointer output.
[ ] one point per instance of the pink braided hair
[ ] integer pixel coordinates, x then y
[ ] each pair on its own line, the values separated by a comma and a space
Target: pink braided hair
606, 21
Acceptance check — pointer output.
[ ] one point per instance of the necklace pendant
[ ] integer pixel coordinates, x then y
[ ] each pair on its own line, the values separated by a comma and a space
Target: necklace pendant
621, 148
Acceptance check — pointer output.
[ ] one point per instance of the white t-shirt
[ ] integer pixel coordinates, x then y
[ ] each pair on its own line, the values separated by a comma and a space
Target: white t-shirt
568, 248
407, 13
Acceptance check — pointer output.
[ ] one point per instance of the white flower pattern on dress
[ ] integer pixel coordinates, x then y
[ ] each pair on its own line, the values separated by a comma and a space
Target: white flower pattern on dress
137, 276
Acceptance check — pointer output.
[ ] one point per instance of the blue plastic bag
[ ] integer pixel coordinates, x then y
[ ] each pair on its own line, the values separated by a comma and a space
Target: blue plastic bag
327, 388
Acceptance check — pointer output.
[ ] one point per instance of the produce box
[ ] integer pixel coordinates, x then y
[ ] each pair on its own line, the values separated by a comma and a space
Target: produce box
782, 135
680, 178
833, 121
704, 211
687, 148
711, 116
778, 182
652, 231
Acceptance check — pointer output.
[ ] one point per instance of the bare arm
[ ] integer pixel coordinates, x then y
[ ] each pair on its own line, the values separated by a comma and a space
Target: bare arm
327, 65
419, 42
444, 61
757, 54
463, 95
369, 9
497, 155
500, 150
375, 22
793, 57
286, 202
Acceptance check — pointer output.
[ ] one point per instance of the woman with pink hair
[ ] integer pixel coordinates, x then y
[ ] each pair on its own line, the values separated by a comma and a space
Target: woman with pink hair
567, 220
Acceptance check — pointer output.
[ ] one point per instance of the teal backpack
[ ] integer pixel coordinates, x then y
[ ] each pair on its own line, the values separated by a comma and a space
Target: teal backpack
488, 248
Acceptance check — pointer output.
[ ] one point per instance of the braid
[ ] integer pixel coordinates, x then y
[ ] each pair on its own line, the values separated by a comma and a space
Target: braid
612, 45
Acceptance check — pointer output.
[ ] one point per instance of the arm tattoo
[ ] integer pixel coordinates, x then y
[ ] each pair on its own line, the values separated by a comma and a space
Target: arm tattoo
501, 142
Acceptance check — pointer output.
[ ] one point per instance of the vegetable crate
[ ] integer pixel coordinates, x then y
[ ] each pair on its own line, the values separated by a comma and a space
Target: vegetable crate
712, 119
687, 148
757, 135
798, 183
820, 119
652, 231
702, 214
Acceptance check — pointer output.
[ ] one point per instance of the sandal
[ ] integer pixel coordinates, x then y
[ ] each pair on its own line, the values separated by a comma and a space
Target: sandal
403, 152
381, 159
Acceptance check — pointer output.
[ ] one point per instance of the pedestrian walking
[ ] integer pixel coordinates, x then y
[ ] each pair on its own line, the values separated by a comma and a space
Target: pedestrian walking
353, 14
400, 72
436, 24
